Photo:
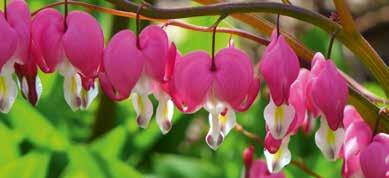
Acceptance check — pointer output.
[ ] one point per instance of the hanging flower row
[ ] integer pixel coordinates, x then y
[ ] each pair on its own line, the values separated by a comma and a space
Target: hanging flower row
222, 83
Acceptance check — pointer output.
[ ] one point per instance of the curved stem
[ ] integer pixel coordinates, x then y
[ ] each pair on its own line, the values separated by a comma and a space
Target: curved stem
231, 31
214, 27
176, 23
66, 14
278, 25
358, 45
331, 44
5, 9
138, 26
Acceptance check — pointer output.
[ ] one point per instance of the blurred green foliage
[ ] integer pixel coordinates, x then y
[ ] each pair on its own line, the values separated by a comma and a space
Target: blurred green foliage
52, 141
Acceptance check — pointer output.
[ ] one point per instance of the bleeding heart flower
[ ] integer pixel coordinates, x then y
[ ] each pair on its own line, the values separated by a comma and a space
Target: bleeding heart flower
357, 137
143, 71
327, 95
297, 99
231, 87
259, 170
374, 159
278, 160
76, 51
14, 48
328, 90
280, 68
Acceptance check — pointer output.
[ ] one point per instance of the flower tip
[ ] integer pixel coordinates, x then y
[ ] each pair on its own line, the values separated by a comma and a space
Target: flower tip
142, 122
166, 127
213, 142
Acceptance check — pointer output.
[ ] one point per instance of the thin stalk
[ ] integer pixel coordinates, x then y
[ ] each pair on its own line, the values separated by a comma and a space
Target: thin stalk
5, 9
66, 14
331, 44
214, 27
138, 25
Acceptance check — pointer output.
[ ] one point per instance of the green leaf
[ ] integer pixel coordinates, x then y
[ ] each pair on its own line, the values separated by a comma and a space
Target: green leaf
9, 144
111, 144
32, 165
167, 166
35, 127
82, 164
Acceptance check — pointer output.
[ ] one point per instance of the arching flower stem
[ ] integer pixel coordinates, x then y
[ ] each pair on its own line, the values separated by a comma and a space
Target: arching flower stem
5, 9
65, 14
214, 27
332, 40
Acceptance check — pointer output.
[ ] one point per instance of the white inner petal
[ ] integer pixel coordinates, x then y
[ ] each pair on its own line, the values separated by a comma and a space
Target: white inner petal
214, 137
278, 118
329, 141
38, 87
275, 162
72, 88
144, 86
8, 91
88, 96
143, 108
164, 115
227, 122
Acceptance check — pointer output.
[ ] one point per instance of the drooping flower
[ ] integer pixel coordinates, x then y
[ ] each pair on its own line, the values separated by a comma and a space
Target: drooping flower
282, 157
15, 35
279, 67
327, 94
374, 159
357, 137
257, 168
144, 71
76, 51
231, 87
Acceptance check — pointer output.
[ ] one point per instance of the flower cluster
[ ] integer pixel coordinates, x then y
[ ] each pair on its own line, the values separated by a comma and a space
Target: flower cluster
222, 84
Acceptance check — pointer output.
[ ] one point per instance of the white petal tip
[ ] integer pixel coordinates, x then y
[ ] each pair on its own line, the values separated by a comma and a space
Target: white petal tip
214, 143
142, 122
166, 127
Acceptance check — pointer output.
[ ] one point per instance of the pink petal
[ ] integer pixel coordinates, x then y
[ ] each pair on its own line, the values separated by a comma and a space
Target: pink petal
8, 43
47, 31
123, 64
154, 45
191, 81
351, 167
373, 162
234, 75
171, 61
18, 16
330, 93
272, 144
279, 67
297, 99
357, 137
259, 170
250, 96
318, 63
84, 44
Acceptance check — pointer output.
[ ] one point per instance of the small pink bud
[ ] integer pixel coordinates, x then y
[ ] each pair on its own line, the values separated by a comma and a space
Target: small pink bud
248, 155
